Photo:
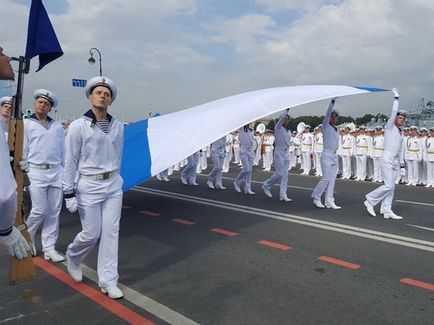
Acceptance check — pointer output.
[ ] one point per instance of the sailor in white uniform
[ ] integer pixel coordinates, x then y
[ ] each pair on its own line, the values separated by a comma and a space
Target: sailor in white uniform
44, 149
94, 150
246, 139
306, 150
422, 164
377, 153
317, 149
217, 156
267, 150
188, 174
363, 146
329, 160
5, 113
429, 158
413, 155
281, 158
392, 163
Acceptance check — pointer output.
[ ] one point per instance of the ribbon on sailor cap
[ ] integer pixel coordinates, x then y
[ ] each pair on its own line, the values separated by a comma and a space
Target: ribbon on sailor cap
5, 99
103, 82
48, 95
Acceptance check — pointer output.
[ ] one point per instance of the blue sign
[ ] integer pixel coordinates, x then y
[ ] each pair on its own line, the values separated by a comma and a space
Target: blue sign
78, 83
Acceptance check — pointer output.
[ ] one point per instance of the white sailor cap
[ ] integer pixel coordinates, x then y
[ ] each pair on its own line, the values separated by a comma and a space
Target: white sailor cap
316, 128
103, 82
5, 99
307, 126
362, 127
402, 113
432, 128
423, 129
48, 95
413, 127
379, 127
406, 128
319, 125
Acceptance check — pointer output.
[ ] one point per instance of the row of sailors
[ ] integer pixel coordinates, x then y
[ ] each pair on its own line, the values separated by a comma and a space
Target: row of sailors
359, 154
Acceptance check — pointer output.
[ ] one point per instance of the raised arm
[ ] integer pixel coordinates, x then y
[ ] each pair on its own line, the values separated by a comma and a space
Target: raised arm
281, 118
327, 115
395, 108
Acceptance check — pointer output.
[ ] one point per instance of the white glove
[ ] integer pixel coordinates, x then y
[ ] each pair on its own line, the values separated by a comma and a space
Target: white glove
24, 166
71, 204
402, 171
334, 99
395, 92
16, 244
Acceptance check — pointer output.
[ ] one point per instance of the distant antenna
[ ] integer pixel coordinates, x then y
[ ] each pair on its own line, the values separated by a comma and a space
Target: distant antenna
421, 105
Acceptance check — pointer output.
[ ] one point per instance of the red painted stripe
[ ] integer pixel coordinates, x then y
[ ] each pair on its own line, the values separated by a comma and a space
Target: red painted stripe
184, 222
224, 232
101, 299
419, 284
274, 245
150, 213
340, 262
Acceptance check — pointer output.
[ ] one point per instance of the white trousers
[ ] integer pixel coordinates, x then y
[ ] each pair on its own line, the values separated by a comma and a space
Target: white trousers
257, 157
346, 167
99, 206
281, 164
329, 164
46, 205
267, 159
215, 176
237, 155
430, 173
361, 167
413, 171
318, 168
307, 163
377, 169
384, 194
245, 176
189, 171
422, 172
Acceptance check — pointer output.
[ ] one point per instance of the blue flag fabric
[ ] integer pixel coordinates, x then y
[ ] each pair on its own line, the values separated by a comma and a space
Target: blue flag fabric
41, 38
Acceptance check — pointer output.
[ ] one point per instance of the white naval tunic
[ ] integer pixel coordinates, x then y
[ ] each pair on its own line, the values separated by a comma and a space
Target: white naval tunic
391, 161
8, 188
246, 139
318, 147
329, 160
306, 151
377, 153
281, 157
363, 147
44, 149
92, 152
413, 155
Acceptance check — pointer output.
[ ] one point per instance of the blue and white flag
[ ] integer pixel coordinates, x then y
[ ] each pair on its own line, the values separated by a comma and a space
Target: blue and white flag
153, 145
41, 37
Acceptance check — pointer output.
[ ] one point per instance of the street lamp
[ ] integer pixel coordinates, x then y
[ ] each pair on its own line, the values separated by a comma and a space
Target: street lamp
91, 60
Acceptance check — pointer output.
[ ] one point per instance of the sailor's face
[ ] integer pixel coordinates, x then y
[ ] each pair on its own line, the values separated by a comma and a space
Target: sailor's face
6, 72
285, 121
100, 97
431, 133
5, 110
413, 132
400, 120
333, 119
42, 106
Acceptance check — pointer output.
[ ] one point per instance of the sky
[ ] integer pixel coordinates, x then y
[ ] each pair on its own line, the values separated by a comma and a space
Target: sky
166, 56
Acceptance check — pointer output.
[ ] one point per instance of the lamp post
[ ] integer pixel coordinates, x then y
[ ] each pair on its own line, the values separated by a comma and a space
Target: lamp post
91, 60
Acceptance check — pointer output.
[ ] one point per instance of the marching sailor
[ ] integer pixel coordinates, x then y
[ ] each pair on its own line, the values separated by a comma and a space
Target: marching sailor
44, 149
281, 158
94, 150
246, 139
392, 163
188, 174
329, 160
218, 157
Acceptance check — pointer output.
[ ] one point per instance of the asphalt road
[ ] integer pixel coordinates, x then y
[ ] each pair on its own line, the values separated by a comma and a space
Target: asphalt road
193, 255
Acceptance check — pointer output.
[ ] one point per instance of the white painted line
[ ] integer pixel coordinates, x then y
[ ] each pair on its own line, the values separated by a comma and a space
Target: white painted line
420, 227
356, 231
151, 306
418, 203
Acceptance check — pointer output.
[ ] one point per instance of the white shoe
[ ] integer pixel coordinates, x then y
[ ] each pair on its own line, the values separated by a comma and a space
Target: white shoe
54, 256
370, 208
74, 270
250, 192
184, 180
210, 185
392, 216
195, 184
159, 177
318, 204
237, 187
113, 292
285, 198
333, 206
166, 179
221, 187
266, 191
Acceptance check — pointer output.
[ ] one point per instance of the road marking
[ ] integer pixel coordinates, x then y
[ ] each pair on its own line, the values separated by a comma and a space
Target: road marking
224, 232
274, 245
420, 227
346, 229
417, 203
101, 299
417, 283
126, 206
150, 213
339, 262
184, 222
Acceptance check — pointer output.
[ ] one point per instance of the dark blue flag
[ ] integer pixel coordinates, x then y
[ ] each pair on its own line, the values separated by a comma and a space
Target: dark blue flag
41, 38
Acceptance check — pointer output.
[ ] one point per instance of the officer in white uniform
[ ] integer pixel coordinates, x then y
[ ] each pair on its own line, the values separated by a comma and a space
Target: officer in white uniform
246, 139
257, 158
188, 174
236, 147
281, 158
44, 149
392, 163
317, 149
5, 113
217, 156
429, 158
329, 160
268, 150
306, 150
363, 146
422, 164
94, 149
377, 153
413, 155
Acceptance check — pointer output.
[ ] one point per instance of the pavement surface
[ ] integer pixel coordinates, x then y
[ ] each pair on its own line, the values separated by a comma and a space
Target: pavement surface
192, 255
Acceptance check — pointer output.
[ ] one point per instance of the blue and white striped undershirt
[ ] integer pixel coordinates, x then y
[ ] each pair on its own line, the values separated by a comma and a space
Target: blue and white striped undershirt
104, 125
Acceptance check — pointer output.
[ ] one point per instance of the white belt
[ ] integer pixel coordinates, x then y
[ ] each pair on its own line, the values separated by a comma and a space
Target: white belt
42, 166
102, 176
